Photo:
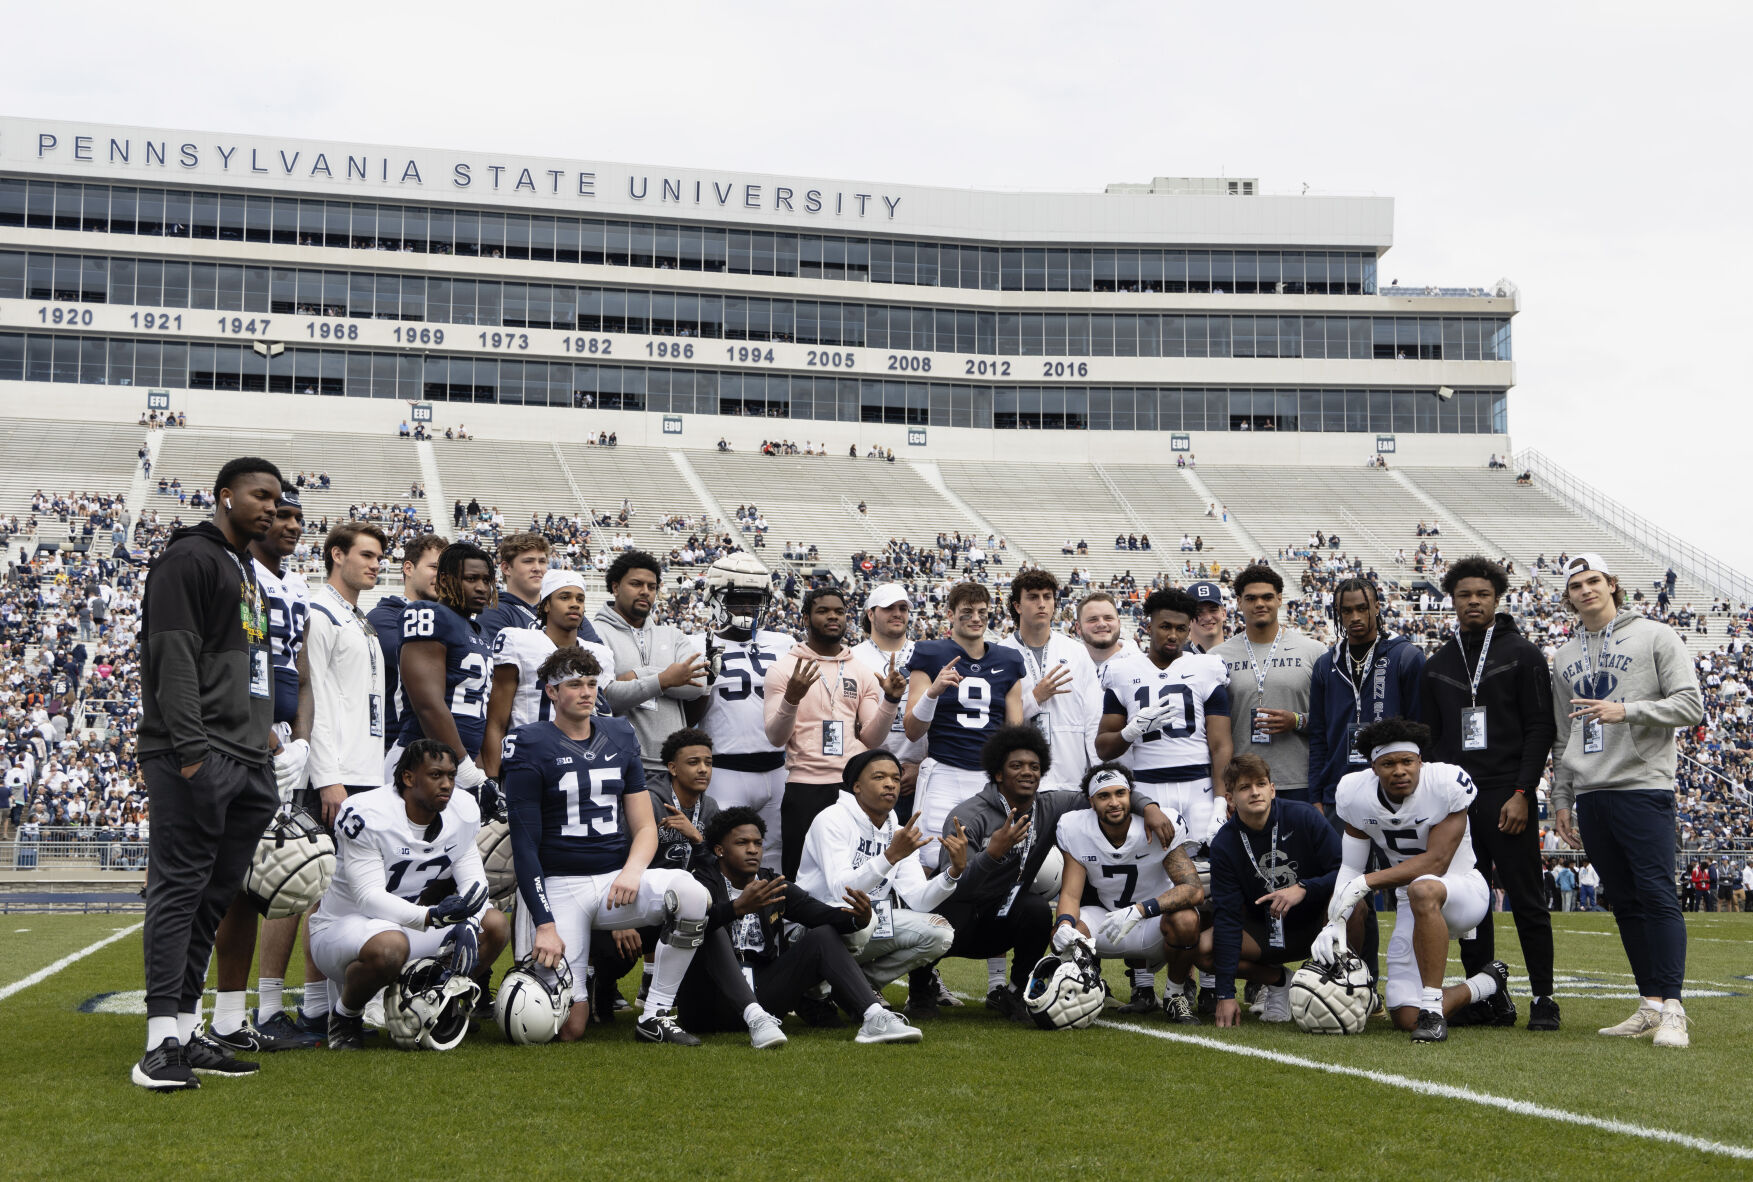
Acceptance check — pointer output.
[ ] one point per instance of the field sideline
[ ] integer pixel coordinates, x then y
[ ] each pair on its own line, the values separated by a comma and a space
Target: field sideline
978, 1099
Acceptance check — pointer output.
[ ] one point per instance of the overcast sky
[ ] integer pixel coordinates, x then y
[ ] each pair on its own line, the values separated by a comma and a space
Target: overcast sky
1595, 154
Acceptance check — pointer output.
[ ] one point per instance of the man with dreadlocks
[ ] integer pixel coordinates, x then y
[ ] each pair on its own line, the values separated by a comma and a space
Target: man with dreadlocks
446, 663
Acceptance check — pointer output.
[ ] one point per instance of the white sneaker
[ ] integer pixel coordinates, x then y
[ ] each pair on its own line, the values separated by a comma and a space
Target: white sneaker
764, 1032
888, 1026
1643, 1021
1672, 1032
1275, 1005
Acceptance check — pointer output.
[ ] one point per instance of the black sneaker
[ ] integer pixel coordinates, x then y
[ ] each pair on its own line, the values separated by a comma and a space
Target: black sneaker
1006, 1001
165, 1068
663, 1027
316, 1026
1143, 1002
346, 1033
923, 1008
1474, 1013
1543, 1014
944, 996
1177, 1009
254, 1040
1207, 1007
1501, 1004
1431, 1027
208, 1057
282, 1026
820, 1013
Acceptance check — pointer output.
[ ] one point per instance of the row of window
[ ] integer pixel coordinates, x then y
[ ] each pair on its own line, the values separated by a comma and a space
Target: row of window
362, 374
231, 287
292, 221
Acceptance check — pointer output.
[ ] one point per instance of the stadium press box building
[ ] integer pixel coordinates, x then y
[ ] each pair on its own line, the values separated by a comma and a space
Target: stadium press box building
242, 278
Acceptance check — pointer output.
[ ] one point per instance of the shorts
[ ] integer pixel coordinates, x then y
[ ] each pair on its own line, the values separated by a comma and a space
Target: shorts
1193, 799
335, 941
580, 907
1144, 942
761, 791
939, 790
1467, 905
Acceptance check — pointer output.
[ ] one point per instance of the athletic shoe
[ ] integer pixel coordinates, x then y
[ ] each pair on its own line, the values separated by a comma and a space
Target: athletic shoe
1543, 1014
663, 1027
1251, 993
1143, 1002
1672, 1032
1179, 1010
1275, 1004
1431, 1027
1501, 1004
887, 1026
346, 1034
208, 1057
944, 996
820, 1013
764, 1032
1474, 1013
622, 1003
317, 1026
282, 1027
923, 1009
258, 1041
165, 1068
1006, 1001
1377, 1006
1643, 1020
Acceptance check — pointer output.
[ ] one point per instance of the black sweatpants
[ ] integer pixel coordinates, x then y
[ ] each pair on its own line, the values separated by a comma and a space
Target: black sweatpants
204, 832
715, 993
1513, 863
797, 808
982, 932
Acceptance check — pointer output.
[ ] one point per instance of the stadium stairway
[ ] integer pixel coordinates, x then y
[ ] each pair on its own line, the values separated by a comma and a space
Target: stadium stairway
1172, 506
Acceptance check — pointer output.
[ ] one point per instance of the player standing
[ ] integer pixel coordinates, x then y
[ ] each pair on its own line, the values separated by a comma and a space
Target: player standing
886, 617
1061, 691
1099, 627
445, 662
1208, 624
419, 578
517, 698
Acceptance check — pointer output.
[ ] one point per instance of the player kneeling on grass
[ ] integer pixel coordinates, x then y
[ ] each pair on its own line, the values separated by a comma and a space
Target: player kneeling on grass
1416, 815
751, 968
1273, 866
1147, 901
394, 846
568, 783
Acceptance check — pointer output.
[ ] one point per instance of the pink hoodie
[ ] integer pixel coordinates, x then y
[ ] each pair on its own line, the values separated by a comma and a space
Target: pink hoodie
847, 691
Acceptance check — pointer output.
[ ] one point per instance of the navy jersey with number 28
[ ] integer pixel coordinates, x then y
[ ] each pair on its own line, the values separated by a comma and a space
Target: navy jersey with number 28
468, 669
971, 712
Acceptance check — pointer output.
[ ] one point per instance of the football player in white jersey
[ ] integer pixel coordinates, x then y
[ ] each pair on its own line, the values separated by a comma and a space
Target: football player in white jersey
1062, 694
1099, 627
1415, 813
887, 615
746, 768
408, 884
517, 698
1148, 901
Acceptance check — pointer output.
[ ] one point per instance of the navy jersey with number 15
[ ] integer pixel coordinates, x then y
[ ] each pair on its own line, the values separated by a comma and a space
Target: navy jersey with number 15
971, 712
467, 670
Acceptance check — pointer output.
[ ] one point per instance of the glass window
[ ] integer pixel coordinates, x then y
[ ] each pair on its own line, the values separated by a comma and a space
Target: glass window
232, 208
567, 242
68, 198
517, 236
12, 201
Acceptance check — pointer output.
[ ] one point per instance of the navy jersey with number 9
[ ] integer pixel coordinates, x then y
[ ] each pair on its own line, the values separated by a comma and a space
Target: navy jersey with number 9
971, 712
468, 670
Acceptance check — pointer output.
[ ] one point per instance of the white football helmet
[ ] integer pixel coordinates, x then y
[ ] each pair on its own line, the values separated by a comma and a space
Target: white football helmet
1065, 992
292, 866
493, 843
1332, 998
429, 1006
1048, 877
533, 1001
738, 590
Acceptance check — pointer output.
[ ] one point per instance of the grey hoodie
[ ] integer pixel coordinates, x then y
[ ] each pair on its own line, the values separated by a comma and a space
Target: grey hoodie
645, 652
1646, 666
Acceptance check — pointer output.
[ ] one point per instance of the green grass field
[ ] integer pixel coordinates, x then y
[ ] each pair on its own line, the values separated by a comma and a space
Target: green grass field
979, 1098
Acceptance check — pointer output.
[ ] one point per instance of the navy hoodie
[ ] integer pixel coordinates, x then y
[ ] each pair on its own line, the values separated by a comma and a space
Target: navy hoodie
1390, 690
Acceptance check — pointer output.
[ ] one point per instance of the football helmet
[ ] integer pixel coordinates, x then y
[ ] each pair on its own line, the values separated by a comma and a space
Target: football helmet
292, 866
1065, 991
429, 1006
493, 843
1048, 877
533, 1001
1332, 998
738, 592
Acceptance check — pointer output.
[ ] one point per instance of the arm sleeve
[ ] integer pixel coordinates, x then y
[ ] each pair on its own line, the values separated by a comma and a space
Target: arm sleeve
1681, 704
1354, 859
365, 865
1226, 921
173, 646
623, 696
326, 701
1538, 729
679, 649
523, 801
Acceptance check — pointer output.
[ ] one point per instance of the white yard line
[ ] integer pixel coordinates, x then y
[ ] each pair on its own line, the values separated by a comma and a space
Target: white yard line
1447, 1092
44, 974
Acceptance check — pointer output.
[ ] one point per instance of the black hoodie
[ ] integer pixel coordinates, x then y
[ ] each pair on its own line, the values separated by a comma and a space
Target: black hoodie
1516, 691
195, 657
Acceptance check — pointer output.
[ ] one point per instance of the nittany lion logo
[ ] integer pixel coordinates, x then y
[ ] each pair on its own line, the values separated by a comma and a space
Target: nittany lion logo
1277, 870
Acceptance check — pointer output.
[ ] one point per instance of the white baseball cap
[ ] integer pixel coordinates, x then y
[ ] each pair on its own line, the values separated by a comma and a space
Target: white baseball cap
885, 595
556, 579
1583, 562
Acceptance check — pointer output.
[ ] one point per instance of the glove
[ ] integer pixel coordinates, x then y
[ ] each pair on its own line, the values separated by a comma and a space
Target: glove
1329, 944
469, 776
1145, 720
1118, 923
1066, 934
492, 801
289, 768
456, 909
1345, 898
464, 949
1220, 813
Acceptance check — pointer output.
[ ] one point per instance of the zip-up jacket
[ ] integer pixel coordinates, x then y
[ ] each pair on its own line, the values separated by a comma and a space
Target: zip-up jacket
342, 654
796, 907
1515, 687
845, 851
1390, 690
645, 652
846, 691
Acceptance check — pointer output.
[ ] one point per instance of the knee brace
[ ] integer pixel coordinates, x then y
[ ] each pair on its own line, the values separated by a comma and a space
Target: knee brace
684, 924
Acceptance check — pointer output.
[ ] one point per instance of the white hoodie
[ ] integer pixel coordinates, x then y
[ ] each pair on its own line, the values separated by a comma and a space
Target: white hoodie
844, 851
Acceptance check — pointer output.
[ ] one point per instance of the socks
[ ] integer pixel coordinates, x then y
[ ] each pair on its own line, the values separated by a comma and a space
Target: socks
228, 1011
1207, 981
1432, 999
671, 965
1651, 1005
1143, 979
1480, 986
316, 998
186, 1024
875, 1007
753, 1013
160, 1031
270, 997
994, 973
341, 1008
644, 982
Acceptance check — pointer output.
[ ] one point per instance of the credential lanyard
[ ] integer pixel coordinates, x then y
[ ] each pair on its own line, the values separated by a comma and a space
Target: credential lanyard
255, 623
1479, 670
1342, 662
1259, 671
1588, 661
1271, 849
365, 627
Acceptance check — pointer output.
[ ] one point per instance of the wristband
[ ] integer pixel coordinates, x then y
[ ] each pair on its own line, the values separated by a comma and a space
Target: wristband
1151, 908
1065, 919
925, 709
1521, 792
892, 701
1302, 721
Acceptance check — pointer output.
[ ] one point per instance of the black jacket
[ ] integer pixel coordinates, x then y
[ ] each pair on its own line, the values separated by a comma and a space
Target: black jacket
987, 880
1516, 691
798, 906
195, 657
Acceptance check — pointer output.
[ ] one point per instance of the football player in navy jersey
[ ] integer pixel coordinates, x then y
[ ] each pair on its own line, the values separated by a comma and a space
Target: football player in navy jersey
446, 663
962, 692
419, 577
569, 781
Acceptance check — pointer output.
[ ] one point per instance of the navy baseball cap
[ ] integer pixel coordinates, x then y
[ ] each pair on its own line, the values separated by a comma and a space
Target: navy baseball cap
1206, 591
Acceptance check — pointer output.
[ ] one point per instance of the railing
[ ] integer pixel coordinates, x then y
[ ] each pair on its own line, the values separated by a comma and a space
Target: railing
1734, 789
1686, 559
68, 848
863, 520
1447, 293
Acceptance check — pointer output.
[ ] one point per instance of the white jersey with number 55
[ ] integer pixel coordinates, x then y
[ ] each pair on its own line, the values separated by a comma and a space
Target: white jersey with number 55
735, 714
1403, 831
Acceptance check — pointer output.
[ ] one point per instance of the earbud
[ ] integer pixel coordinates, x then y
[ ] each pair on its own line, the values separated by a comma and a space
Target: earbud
228, 503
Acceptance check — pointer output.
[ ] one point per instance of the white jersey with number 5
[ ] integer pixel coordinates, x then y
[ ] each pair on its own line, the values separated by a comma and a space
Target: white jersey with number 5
1403, 831
735, 715
526, 649
1194, 685
1121, 875
383, 861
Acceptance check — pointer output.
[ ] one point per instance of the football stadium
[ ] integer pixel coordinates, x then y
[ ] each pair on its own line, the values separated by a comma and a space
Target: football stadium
353, 493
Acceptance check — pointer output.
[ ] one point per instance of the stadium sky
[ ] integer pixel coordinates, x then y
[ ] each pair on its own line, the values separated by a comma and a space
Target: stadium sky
1594, 154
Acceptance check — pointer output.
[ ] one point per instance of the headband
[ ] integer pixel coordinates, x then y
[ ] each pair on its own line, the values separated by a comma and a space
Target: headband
1107, 779
562, 678
1394, 749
